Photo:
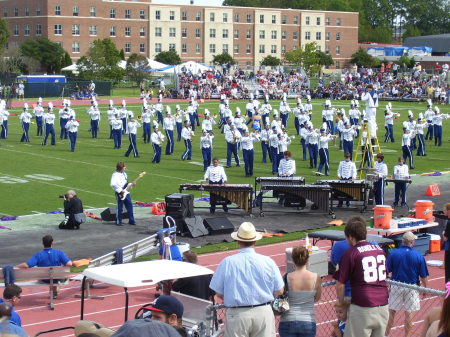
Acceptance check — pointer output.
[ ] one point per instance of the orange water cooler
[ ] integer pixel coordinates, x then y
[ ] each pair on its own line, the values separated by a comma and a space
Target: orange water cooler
382, 216
424, 210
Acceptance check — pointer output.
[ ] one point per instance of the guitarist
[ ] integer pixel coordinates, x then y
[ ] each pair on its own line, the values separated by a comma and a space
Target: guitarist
119, 183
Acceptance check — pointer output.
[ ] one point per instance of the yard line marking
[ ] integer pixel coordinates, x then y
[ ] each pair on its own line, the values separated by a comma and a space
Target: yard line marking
195, 163
36, 212
5, 214
110, 203
89, 207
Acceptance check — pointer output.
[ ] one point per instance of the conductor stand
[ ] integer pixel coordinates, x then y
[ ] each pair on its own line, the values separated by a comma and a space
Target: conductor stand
368, 148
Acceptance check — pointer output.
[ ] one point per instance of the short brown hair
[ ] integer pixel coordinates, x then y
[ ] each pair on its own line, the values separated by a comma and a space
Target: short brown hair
356, 229
11, 290
300, 256
190, 256
447, 206
47, 241
381, 156
347, 155
287, 153
120, 165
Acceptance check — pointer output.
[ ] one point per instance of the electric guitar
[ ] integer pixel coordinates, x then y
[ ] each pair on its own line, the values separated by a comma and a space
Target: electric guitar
126, 191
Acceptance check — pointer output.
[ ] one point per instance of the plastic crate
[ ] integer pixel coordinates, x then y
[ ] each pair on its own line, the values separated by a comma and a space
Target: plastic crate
422, 243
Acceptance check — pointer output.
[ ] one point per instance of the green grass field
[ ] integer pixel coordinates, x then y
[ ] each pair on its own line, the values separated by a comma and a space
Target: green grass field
32, 176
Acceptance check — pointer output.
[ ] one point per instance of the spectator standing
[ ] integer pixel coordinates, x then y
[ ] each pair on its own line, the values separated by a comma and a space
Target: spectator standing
303, 289
406, 266
11, 295
247, 283
446, 236
364, 264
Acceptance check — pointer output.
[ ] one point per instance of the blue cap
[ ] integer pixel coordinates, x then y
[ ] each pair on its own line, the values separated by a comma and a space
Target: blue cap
322, 130
404, 129
274, 127
187, 122
168, 305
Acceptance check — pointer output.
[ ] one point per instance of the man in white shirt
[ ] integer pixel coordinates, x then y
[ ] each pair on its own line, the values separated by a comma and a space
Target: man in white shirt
264, 137
206, 142
168, 125
215, 175
381, 170
157, 139
116, 125
38, 114
186, 134
133, 125
119, 183
370, 97
401, 172
407, 146
72, 132
146, 124
49, 121
232, 137
346, 171
287, 167
25, 119
248, 152
95, 119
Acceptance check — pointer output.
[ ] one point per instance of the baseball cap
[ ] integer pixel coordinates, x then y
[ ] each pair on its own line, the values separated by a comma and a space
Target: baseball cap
146, 327
168, 305
409, 236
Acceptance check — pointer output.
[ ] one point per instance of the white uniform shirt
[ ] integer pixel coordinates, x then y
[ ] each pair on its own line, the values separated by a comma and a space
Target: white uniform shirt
111, 114
215, 174
186, 133
157, 137
406, 139
38, 111
147, 117
284, 108
247, 142
401, 172
330, 115
250, 107
206, 141
371, 104
354, 113
133, 126
64, 113
304, 134
207, 124
266, 108
49, 118
286, 167
168, 123
346, 170
116, 124
388, 118
123, 113
25, 117
190, 109
420, 127
437, 119
277, 124
273, 140
72, 126
239, 121
5, 114
308, 107
232, 136
95, 114
118, 181
264, 136
348, 134
313, 137
381, 168
428, 114
283, 144
411, 125
159, 107
323, 141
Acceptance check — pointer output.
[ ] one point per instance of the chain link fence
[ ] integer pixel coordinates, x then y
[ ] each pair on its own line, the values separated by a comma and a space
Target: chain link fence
416, 298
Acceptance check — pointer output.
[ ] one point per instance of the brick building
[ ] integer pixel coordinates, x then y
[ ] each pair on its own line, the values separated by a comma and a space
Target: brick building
195, 32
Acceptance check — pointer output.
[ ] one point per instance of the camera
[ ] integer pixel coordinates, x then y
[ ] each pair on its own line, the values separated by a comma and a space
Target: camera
63, 196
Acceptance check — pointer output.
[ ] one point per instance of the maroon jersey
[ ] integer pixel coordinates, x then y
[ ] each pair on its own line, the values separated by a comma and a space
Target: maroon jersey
365, 266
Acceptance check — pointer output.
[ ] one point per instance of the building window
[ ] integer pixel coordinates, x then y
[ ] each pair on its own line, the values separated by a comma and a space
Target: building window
273, 49
75, 30
338, 50
127, 14
327, 36
5, 12
236, 17
283, 35
16, 11
197, 48
112, 13
158, 47
75, 47
142, 32
212, 17
274, 19
57, 29
337, 64
295, 35
38, 11
261, 18
236, 49
92, 11
307, 20
283, 19
318, 21
183, 32
27, 11
157, 15
225, 33
236, 34
158, 31
172, 15
296, 20
142, 17
212, 48
262, 34
273, 35
248, 64
38, 29
248, 35
198, 16
283, 49
93, 30
198, 33
112, 31
212, 33
128, 47
127, 31
338, 36
248, 49
319, 48
75, 10
225, 48
318, 36
308, 36
172, 32
327, 21
184, 48
262, 49
142, 47
249, 18
327, 50
26, 30
225, 17
338, 22
184, 16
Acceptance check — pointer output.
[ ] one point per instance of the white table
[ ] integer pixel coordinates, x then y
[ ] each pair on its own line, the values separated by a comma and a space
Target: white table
392, 231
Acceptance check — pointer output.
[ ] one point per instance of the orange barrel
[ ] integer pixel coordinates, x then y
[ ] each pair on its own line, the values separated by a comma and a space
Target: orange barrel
435, 243
382, 216
424, 210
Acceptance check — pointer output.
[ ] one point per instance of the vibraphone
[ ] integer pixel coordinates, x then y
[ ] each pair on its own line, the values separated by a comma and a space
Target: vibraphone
239, 194
348, 190
318, 195
279, 181
407, 181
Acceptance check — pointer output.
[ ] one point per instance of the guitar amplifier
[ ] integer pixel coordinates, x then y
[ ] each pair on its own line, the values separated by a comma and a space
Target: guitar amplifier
219, 225
180, 205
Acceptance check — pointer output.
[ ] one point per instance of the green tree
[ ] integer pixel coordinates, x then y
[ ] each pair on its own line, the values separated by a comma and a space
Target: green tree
306, 57
170, 57
101, 62
49, 54
67, 60
122, 55
363, 59
324, 59
4, 34
271, 61
137, 68
223, 59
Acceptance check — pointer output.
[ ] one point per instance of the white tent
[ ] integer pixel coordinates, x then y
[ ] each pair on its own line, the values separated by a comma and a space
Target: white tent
193, 67
72, 67
155, 64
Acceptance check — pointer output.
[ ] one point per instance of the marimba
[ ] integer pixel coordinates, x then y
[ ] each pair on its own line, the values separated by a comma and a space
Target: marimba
239, 194
348, 190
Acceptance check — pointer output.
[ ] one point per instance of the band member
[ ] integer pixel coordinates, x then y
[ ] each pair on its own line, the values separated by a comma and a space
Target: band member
119, 183
111, 116
250, 108
206, 142
354, 114
232, 138
273, 149
159, 110
248, 152
168, 125
265, 110
389, 124
264, 137
300, 116
313, 146
38, 112
411, 125
287, 167
283, 142
187, 134
381, 170
370, 97
215, 175
346, 171
49, 125
324, 155
25, 119
4, 117
146, 124
179, 121
284, 110
303, 140
95, 119
429, 113
123, 112
407, 146
437, 125
157, 139
133, 125
64, 115
401, 172
117, 126
420, 126
190, 111
239, 121
72, 132
348, 134
208, 122
308, 107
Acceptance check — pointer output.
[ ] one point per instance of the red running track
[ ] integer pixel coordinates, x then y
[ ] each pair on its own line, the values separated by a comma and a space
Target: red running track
110, 312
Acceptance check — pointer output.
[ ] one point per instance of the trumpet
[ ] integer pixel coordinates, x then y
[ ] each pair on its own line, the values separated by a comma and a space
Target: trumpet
192, 134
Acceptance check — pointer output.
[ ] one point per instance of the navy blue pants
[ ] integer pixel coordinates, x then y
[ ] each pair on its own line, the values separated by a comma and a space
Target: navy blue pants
147, 132
26, 128
179, 129
348, 147
39, 125
207, 155
157, 155
232, 150
128, 206
389, 133
170, 142
124, 125
188, 153
400, 188
379, 191
196, 118
421, 145
4, 133
192, 121
297, 125
264, 150
132, 146
265, 118
117, 136
330, 126
313, 152
62, 124
274, 157
324, 161
429, 134
160, 117
49, 130
94, 128
437, 129
248, 161
72, 140
304, 148
407, 153
284, 119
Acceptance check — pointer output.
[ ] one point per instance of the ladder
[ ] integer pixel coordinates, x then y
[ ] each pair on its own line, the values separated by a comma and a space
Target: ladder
367, 147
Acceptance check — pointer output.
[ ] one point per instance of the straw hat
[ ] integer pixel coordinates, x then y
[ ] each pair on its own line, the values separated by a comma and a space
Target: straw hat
246, 233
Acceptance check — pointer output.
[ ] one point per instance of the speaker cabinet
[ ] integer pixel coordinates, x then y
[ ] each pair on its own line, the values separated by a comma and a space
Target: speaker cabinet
195, 226
219, 225
109, 214
180, 205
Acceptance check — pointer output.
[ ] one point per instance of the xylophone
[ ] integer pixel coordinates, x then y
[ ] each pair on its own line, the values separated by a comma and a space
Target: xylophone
348, 190
319, 195
279, 181
239, 194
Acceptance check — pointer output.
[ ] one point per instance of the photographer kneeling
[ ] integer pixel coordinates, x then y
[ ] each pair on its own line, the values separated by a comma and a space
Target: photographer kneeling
73, 210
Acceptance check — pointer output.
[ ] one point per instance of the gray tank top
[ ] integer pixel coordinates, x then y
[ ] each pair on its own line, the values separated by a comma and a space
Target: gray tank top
301, 305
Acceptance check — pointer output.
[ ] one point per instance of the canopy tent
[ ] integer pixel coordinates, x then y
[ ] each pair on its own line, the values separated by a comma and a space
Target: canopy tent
192, 67
155, 64
72, 67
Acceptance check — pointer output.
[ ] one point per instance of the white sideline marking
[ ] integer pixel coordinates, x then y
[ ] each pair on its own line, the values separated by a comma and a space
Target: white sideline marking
195, 163
36, 212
